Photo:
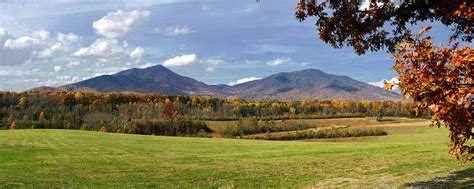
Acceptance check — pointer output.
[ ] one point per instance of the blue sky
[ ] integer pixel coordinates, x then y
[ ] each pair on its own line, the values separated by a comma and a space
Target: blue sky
215, 41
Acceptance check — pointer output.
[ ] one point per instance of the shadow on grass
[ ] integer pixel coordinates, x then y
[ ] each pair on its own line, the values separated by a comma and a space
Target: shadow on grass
458, 179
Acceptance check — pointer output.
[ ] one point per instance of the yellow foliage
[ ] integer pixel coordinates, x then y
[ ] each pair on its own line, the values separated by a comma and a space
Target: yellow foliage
13, 126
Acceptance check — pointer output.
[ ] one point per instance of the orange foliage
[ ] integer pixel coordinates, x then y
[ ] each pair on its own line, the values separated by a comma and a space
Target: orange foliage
442, 79
102, 129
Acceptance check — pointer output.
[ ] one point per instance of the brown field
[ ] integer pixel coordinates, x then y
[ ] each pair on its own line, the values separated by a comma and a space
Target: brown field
389, 124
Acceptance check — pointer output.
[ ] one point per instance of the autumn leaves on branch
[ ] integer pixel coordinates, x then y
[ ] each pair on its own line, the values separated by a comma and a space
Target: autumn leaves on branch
439, 78
436, 77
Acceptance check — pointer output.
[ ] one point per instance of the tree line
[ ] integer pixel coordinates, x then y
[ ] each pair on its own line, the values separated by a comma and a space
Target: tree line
167, 114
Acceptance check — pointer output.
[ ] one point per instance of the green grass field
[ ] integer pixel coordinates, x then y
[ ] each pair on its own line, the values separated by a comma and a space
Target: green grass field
67, 158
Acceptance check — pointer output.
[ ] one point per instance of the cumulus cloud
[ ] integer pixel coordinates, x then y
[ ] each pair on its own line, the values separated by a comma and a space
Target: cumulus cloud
244, 80
181, 60
73, 64
3, 31
67, 38
57, 69
174, 30
34, 40
102, 48
137, 53
119, 23
278, 61
110, 51
49, 52
37, 45
63, 43
22, 42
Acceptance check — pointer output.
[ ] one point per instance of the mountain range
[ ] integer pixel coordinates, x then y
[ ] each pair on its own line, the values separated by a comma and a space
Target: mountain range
298, 85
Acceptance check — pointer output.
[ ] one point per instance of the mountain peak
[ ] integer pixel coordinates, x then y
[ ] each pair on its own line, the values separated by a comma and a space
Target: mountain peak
308, 84
157, 69
154, 79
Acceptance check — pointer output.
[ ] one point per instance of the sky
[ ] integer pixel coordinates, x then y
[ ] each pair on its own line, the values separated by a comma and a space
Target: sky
53, 43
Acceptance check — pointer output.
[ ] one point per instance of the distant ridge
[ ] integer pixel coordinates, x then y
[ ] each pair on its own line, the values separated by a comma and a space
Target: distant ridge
298, 85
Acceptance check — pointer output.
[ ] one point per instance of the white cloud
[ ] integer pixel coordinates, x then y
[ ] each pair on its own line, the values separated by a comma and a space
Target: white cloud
210, 69
148, 65
19, 72
119, 23
35, 46
64, 42
3, 31
72, 64
110, 52
57, 69
49, 52
22, 42
41, 34
175, 30
181, 60
66, 38
244, 80
214, 62
60, 80
381, 83
34, 40
137, 53
102, 48
278, 61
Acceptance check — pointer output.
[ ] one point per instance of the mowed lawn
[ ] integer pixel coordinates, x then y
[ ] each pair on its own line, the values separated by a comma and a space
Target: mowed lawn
67, 158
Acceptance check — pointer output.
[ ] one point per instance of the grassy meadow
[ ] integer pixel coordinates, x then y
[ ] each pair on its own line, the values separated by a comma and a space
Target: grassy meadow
413, 154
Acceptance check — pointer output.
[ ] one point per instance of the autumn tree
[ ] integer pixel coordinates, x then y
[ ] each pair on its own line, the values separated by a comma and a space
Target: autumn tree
22, 103
168, 108
103, 129
439, 78
13, 126
42, 117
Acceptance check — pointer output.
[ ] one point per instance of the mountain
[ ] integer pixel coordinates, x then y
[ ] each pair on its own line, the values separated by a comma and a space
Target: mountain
220, 86
299, 85
155, 79
309, 84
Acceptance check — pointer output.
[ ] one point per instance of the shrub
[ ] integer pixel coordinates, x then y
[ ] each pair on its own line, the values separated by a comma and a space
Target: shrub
252, 125
327, 133
85, 127
170, 127
202, 134
102, 129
